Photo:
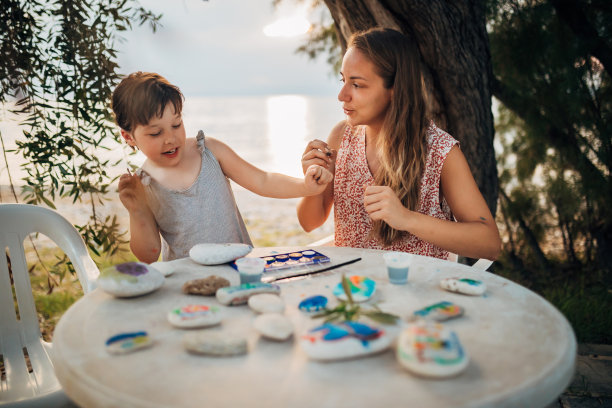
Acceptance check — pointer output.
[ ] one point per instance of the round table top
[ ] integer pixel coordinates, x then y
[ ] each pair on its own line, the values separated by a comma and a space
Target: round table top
522, 350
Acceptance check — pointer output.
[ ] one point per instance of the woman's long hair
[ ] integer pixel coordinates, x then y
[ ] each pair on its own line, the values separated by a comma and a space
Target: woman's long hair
402, 142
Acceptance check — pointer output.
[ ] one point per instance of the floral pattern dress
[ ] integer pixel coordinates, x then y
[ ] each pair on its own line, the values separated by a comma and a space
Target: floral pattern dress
353, 225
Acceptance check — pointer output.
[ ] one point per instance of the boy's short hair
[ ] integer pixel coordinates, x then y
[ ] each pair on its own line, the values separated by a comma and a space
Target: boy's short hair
141, 95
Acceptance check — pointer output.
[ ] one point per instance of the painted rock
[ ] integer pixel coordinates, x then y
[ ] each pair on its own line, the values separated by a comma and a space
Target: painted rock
430, 350
362, 288
214, 343
337, 341
164, 268
239, 295
205, 287
190, 316
273, 326
127, 342
130, 279
463, 285
266, 303
313, 303
214, 254
440, 311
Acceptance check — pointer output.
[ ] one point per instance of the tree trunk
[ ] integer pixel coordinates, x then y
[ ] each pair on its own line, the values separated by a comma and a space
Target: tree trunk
454, 43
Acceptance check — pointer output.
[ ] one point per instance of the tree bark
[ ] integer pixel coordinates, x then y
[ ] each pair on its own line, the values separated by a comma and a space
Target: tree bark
453, 40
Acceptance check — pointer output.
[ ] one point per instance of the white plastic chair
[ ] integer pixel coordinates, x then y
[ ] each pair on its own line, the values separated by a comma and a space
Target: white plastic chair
21, 333
481, 264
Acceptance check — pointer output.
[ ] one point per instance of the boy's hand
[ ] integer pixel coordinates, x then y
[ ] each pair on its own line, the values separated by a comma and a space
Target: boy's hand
381, 203
317, 178
132, 194
318, 152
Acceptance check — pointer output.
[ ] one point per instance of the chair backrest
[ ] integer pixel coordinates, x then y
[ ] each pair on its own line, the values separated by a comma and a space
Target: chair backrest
17, 222
19, 326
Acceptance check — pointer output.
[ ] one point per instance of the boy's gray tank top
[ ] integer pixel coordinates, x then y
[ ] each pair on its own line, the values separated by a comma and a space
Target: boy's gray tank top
206, 212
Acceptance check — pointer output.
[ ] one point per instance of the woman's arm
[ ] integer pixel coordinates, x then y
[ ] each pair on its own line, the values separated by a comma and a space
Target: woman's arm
145, 242
264, 183
475, 233
313, 211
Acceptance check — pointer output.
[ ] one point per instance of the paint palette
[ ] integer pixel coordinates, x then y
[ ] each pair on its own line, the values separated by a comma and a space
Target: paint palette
292, 260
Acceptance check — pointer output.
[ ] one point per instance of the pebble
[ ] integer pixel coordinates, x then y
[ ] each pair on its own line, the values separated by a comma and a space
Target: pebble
429, 349
190, 316
266, 303
164, 268
345, 340
313, 303
206, 286
214, 254
130, 279
273, 326
440, 311
124, 343
362, 289
463, 285
239, 295
215, 343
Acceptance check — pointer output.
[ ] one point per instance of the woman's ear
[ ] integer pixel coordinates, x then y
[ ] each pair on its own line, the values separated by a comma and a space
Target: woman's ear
129, 139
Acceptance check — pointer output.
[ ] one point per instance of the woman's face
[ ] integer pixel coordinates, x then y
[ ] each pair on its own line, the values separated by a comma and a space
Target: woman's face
364, 98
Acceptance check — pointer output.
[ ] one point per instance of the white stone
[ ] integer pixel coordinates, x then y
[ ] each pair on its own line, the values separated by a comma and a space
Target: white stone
463, 285
266, 303
191, 316
215, 343
339, 341
430, 350
214, 254
130, 279
164, 268
239, 295
273, 326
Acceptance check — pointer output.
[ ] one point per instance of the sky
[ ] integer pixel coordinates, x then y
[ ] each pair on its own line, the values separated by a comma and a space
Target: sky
218, 48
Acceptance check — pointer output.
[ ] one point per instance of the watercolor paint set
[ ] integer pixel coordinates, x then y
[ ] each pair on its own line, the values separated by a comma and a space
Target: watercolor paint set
292, 260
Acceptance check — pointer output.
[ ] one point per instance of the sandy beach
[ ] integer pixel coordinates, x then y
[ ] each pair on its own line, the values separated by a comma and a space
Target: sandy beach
270, 222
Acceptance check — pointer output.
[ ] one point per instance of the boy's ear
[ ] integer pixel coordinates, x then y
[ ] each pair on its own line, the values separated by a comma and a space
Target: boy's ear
127, 136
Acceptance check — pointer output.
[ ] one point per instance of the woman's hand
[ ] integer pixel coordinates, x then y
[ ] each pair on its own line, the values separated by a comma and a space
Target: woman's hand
316, 179
381, 203
318, 152
132, 194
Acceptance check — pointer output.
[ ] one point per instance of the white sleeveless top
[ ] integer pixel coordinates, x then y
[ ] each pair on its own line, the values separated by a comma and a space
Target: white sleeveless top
206, 212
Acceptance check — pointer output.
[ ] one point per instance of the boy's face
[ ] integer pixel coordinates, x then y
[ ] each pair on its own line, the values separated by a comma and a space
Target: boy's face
162, 140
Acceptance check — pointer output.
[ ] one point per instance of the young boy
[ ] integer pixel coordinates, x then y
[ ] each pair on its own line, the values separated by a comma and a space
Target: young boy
182, 191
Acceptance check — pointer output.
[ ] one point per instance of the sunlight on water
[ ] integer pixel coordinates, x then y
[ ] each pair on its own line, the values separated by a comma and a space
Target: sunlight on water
287, 132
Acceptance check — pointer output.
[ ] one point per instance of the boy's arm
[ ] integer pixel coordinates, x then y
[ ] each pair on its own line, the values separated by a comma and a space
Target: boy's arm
264, 183
145, 242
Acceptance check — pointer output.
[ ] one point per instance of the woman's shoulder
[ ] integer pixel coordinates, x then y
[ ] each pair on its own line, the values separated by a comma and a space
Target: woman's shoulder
438, 138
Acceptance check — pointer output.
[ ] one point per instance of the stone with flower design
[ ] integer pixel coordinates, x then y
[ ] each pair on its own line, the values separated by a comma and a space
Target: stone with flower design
130, 279
190, 316
344, 340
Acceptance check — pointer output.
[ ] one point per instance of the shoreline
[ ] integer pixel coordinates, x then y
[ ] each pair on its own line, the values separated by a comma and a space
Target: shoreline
269, 221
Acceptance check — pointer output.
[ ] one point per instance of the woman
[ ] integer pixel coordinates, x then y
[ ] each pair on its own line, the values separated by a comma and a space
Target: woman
399, 180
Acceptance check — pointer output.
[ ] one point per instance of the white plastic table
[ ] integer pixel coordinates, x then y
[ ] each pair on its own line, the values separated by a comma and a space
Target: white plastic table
522, 350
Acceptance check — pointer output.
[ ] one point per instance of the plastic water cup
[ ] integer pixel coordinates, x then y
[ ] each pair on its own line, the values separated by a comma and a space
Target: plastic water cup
398, 264
250, 269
